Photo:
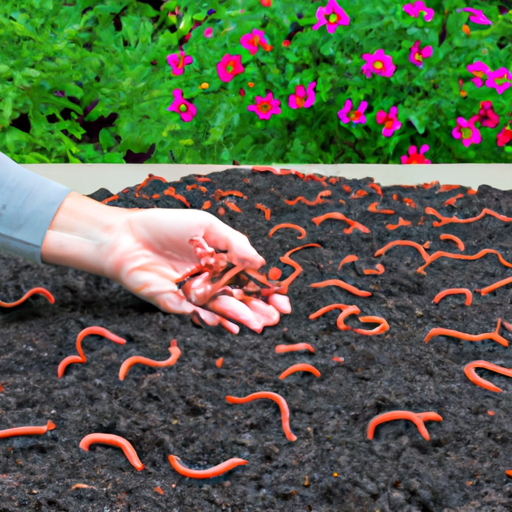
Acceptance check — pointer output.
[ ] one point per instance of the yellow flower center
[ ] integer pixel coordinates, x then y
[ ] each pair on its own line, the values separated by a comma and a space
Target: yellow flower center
389, 124
300, 101
418, 56
378, 64
466, 133
355, 115
479, 74
264, 107
183, 107
333, 18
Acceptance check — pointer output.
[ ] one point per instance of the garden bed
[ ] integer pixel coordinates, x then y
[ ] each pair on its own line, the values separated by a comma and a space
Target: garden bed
182, 410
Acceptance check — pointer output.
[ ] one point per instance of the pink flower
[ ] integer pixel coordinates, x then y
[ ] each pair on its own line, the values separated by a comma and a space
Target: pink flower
346, 114
178, 62
466, 131
186, 110
479, 69
297, 100
419, 8
415, 157
505, 136
208, 32
253, 40
417, 55
499, 80
229, 66
265, 107
477, 16
486, 115
390, 121
331, 15
378, 63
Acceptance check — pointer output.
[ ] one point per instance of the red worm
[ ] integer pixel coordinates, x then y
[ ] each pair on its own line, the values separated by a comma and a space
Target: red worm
375, 187
206, 205
403, 415
318, 199
341, 284
381, 329
99, 331
495, 286
202, 179
453, 238
409, 202
453, 200
282, 349
196, 186
345, 311
430, 185
128, 363
111, 198
408, 243
347, 189
219, 362
275, 273
41, 291
340, 360
205, 473
454, 291
298, 269
347, 259
447, 188
300, 367
469, 371
150, 177
447, 220
339, 216
265, 210
113, 440
439, 331
27, 431
280, 172
283, 406
302, 231
232, 206
472, 192
312, 177
379, 269
155, 196
507, 326
373, 208
171, 191
221, 193
360, 193
401, 222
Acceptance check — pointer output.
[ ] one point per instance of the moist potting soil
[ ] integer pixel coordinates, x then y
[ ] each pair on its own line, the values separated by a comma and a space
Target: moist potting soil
182, 410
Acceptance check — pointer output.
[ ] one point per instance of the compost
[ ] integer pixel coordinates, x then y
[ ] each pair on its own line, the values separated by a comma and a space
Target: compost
373, 360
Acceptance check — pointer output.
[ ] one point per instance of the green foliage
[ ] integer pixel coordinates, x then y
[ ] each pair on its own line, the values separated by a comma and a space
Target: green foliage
88, 51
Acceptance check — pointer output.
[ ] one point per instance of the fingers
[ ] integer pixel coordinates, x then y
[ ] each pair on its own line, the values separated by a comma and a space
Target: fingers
281, 303
236, 310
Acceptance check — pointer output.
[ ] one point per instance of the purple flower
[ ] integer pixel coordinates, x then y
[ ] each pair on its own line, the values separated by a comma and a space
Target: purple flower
477, 16
265, 107
302, 98
486, 115
253, 40
479, 69
186, 110
378, 63
390, 121
499, 80
347, 114
419, 8
417, 55
178, 62
230, 66
415, 157
467, 131
331, 15
208, 32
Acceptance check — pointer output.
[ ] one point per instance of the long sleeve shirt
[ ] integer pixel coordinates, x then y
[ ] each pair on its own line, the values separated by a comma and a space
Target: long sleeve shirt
28, 204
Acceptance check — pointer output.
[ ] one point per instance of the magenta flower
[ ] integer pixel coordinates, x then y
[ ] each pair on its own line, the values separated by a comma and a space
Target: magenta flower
186, 110
208, 32
302, 98
253, 40
265, 107
477, 16
229, 66
486, 115
415, 157
417, 54
347, 114
331, 15
505, 136
479, 70
178, 62
499, 80
390, 121
378, 63
419, 8
467, 131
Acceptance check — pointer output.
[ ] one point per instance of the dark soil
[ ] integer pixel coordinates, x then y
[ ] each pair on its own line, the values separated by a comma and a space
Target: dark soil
182, 410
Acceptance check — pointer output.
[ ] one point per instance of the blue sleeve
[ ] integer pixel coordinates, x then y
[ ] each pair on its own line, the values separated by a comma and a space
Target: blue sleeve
28, 203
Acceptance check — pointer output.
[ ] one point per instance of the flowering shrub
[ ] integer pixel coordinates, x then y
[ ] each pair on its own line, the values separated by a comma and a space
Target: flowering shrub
259, 81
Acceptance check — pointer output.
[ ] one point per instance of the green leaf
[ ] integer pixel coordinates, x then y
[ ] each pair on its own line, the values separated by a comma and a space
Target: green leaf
106, 139
186, 142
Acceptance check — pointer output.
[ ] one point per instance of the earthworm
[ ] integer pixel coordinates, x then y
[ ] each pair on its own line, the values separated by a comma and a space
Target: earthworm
409, 243
275, 273
509, 473
112, 440
373, 208
318, 199
313, 177
395, 197
99, 331
427, 244
454, 291
402, 415
282, 349
379, 269
360, 193
507, 326
111, 198
471, 192
221, 193
429, 416
128, 363
495, 286
219, 362
453, 200
446, 188
453, 238
195, 185
340, 360
469, 371
347, 259
346, 310
202, 179
205, 473
265, 210
333, 180
232, 206
341, 284
447, 220
302, 231
150, 177
41, 291
206, 205
155, 196
300, 367
27, 431
409, 202
401, 222
347, 189
430, 185
256, 275
171, 191
339, 216
381, 329
283, 406
376, 188
298, 269
439, 331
